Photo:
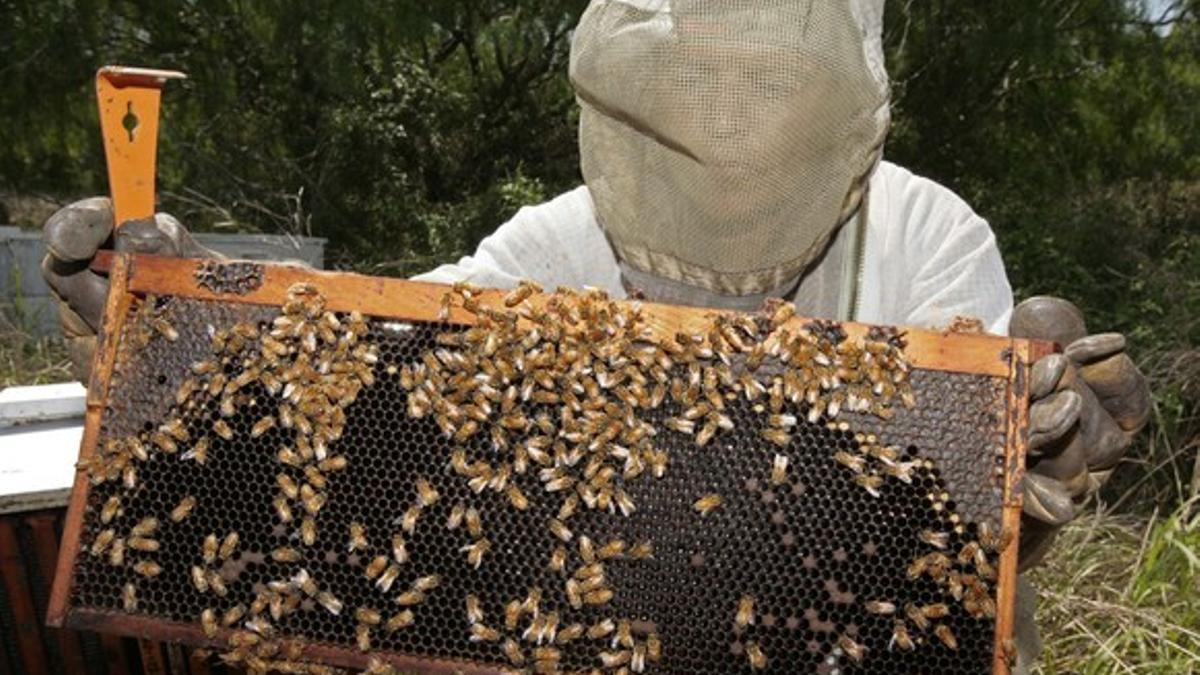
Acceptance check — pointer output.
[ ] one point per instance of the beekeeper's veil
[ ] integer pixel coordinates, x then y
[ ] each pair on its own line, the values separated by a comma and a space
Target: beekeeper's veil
723, 141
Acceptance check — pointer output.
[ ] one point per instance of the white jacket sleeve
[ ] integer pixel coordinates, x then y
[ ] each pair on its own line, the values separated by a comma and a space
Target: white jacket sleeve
557, 243
940, 260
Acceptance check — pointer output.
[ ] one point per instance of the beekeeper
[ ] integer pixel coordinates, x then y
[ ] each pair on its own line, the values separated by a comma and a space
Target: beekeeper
731, 152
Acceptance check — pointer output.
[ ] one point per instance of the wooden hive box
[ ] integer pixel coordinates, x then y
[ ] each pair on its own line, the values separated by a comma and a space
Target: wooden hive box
568, 483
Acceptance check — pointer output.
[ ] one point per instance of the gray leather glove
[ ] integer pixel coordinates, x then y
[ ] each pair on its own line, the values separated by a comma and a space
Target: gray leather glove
73, 235
1088, 403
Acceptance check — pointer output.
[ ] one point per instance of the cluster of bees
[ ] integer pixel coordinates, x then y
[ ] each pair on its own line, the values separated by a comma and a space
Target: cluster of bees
601, 369
313, 365
966, 575
237, 277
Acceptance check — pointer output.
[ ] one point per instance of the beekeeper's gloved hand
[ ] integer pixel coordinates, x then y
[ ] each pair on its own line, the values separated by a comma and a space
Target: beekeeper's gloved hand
1088, 404
73, 235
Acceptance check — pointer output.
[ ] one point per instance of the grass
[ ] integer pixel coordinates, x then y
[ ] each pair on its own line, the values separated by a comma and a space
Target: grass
28, 360
1122, 595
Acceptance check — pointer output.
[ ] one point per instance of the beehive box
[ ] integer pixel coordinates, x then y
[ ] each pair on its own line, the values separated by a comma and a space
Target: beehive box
289, 467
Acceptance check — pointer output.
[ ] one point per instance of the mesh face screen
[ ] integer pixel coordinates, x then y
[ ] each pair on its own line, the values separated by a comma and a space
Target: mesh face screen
381, 487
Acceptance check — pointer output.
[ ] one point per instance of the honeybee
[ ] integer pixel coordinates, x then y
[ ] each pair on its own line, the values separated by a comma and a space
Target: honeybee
915, 615
870, 482
935, 539
512, 651
183, 509
756, 656
129, 600
102, 541
782, 421
456, 516
654, 647
512, 614
599, 596
900, 636
569, 633
426, 494
233, 615
410, 598
315, 478
601, 629
110, 509
375, 567
476, 551
855, 463
330, 602
558, 529
779, 470
389, 576
399, 549
285, 554
970, 551
199, 579
362, 637
641, 550
745, 612
209, 549
682, 426
222, 429
198, 451
283, 509
474, 609
936, 610
427, 583
707, 503
308, 531
993, 542
946, 635
401, 619
613, 549
855, 651
143, 544
147, 568
408, 522
614, 660
517, 498
137, 448
145, 527
208, 622
358, 537
368, 616
116, 553
333, 464
777, 436
129, 477
165, 329
228, 546
482, 633
216, 583
881, 607
558, 560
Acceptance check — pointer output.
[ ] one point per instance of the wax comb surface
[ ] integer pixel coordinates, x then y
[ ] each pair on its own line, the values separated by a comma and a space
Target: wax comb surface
292, 466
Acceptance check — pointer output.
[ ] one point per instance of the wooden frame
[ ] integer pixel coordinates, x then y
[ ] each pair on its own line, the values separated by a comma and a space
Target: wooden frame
414, 301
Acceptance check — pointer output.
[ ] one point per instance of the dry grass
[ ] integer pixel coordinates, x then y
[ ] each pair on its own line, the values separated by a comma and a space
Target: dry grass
28, 360
1122, 595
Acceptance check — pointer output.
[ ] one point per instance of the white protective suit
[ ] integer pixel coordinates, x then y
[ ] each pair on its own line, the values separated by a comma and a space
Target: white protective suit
926, 257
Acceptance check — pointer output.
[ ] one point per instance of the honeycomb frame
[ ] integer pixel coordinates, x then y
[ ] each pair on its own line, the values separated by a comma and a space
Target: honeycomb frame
993, 370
